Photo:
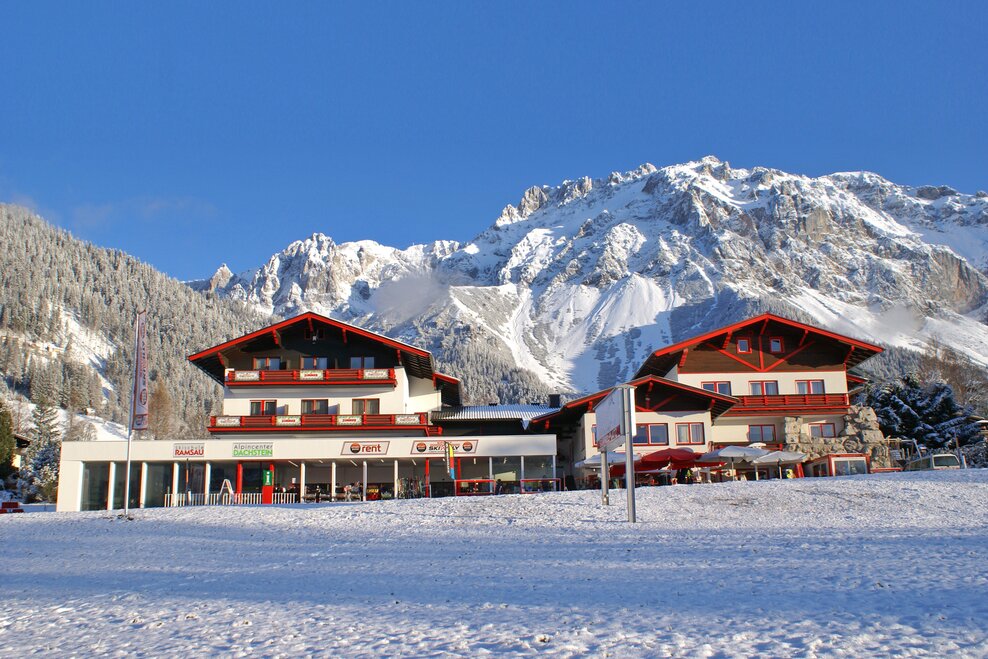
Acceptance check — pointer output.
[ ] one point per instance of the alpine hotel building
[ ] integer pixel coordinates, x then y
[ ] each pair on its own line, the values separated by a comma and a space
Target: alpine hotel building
316, 403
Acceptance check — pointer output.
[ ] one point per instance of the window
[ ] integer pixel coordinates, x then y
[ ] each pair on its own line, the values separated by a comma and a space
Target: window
658, 433
764, 388
761, 434
718, 387
315, 362
262, 408
850, 466
804, 387
650, 433
366, 406
822, 430
775, 344
744, 345
361, 362
315, 406
689, 433
267, 363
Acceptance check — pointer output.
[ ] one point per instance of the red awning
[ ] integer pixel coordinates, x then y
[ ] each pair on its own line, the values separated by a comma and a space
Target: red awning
672, 458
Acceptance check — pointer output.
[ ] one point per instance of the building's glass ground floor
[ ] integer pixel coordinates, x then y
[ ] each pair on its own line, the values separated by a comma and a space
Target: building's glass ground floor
296, 470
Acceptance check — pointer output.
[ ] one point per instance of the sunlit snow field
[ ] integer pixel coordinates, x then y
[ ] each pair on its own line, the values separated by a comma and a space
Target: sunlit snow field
850, 566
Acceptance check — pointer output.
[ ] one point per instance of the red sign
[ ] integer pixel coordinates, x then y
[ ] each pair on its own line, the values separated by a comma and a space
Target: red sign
365, 448
438, 447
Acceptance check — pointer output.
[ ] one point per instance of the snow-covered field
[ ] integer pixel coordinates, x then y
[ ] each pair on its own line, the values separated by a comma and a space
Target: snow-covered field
862, 566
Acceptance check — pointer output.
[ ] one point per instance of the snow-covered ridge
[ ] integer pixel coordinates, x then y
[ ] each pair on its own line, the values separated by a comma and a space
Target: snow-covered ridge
577, 282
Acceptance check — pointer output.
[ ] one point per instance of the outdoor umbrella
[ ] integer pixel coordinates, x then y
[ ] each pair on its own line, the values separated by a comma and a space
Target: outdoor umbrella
612, 458
674, 458
734, 454
779, 458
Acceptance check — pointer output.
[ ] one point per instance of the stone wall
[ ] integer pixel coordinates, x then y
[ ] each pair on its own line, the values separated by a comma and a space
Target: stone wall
861, 434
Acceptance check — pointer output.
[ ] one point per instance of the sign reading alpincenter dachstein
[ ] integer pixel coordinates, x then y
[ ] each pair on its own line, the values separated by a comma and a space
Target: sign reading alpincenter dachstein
253, 450
612, 416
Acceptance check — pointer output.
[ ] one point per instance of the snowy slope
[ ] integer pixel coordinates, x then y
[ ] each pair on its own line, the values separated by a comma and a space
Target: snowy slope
863, 566
577, 282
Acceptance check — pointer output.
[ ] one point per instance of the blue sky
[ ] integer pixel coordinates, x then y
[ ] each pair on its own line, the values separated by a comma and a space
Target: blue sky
192, 134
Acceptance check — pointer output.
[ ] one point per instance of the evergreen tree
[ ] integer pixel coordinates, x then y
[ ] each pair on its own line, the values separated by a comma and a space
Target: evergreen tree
8, 444
923, 411
45, 420
39, 476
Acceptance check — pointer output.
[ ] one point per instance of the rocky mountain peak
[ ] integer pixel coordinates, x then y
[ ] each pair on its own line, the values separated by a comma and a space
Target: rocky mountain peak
576, 283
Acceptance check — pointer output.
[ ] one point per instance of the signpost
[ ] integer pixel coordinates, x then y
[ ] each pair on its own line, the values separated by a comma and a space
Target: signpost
616, 424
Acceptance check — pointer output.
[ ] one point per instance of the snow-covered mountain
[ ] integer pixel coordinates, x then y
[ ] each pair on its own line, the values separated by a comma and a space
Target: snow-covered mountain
571, 288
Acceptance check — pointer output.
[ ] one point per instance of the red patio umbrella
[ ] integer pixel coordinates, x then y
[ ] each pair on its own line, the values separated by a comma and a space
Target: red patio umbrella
676, 458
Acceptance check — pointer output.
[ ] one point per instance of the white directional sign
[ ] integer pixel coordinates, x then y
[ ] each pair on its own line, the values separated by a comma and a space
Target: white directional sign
612, 418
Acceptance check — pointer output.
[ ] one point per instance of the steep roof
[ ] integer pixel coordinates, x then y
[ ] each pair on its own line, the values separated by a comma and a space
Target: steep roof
417, 362
645, 389
662, 361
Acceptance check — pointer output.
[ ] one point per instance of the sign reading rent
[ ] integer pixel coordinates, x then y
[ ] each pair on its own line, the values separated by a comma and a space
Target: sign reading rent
365, 448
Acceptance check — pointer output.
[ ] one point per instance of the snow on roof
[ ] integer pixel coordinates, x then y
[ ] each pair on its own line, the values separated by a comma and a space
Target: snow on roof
523, 413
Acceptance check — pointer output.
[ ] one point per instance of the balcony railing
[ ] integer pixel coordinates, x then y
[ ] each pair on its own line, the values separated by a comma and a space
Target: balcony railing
312, 376
316, 422
791, 401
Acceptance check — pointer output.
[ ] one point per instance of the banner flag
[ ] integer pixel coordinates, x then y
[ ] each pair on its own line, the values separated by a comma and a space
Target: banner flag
450, 463
139, 413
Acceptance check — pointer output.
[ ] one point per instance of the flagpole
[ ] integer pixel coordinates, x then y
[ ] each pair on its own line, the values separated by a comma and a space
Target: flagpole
133, 400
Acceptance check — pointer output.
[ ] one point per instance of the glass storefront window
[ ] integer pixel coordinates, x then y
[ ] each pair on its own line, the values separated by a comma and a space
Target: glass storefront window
95, 485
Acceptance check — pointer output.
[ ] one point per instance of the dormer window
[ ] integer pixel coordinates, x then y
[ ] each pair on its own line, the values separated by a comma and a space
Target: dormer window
744, 345
267, 363
775, 345
361, 362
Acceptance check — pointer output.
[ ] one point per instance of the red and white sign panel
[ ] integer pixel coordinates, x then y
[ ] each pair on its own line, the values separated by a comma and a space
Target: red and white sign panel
433, 447
365, 448
612, 413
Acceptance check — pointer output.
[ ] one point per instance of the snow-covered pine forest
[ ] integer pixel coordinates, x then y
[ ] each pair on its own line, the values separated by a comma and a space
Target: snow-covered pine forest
66, 329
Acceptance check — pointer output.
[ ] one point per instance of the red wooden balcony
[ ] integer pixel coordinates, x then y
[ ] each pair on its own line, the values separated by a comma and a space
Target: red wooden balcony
789, 402
330, 422
313, 376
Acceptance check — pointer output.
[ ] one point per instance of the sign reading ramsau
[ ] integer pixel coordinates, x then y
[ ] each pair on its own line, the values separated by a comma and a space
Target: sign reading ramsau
196, 450
265, 450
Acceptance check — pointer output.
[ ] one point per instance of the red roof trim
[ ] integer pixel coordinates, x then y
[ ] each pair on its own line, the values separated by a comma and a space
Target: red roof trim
309, 316
447, 378
648, 379
765, 317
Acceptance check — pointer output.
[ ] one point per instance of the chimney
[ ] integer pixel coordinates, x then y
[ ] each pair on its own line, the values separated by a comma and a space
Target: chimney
555, 400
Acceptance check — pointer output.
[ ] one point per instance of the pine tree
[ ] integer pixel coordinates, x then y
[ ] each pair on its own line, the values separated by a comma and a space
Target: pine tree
923, 411
8, 444
39, 476
45, 419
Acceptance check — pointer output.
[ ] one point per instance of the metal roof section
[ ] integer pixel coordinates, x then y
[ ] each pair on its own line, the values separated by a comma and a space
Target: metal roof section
521, 413
524, 413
